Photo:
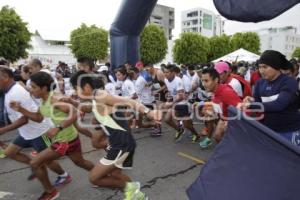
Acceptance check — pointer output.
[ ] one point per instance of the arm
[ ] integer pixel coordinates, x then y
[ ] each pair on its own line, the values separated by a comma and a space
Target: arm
180, 96
17, 124
34, 116
283, 100
66, 108
83, 131
104, 97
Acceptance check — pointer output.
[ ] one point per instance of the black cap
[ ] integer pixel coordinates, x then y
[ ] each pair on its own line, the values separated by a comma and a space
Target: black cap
274, 59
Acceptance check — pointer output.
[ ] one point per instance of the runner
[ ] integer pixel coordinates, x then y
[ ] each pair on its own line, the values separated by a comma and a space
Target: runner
64, 136
31, 134
177, 102
120, 152
144, 87
223, 97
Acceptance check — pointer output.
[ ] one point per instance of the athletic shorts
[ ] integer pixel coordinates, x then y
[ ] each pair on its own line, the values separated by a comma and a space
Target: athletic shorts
65, 148
38, 144
150, 105
121, 159
182, 110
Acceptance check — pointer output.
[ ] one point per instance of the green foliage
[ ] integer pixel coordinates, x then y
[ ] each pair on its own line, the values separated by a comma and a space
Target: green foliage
153, 44
296, 53
14, 35
91, 42
219, 46
191, 48
249, 41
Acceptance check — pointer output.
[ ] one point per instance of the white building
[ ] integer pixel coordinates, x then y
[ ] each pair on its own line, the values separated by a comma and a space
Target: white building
163, 16
50, 52
202, 21
284, 40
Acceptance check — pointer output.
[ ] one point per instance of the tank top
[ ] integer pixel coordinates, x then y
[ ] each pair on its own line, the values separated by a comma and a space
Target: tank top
57, 116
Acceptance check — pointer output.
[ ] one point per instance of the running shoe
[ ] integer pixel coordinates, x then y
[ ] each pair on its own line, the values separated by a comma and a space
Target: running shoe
34, 154
31, 176
131, 189
62, 180
178, 134
49, 196
2, 155
156, 132
205, 143
195, 138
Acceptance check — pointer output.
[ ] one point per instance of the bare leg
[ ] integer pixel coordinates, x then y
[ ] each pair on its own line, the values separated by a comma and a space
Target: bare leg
105, 176
189, 125
169, 119
38, 166
55, 167
78, 160
13, 151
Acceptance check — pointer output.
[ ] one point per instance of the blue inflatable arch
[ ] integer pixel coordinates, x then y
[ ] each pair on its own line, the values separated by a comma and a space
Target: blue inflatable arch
133, 15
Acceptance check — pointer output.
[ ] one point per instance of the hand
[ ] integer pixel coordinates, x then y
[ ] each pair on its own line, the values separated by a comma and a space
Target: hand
15, 106
66, 99
243, 106
248, 99
155, 115
52, 132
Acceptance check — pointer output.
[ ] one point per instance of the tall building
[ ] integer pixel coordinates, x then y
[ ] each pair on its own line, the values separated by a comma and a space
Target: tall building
283, 39
164, 16
202, 21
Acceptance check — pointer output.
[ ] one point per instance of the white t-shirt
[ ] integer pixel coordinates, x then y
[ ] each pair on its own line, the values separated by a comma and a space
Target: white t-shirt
111, 88
128, 88
174, 86
187, 83
144, 91
202, 94
118, 86
31, 130
236, 86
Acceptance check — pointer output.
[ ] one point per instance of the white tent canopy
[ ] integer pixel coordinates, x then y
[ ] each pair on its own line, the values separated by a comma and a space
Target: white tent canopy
239, 55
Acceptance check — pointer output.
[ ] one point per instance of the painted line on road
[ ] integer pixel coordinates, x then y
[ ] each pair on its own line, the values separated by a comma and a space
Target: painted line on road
197, 160
4, 194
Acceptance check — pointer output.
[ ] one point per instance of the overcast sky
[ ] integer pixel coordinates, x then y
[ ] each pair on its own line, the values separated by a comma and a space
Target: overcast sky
55, 19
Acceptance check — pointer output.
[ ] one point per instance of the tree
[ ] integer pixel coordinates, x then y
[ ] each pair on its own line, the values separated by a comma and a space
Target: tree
219, 46
153, 44
91, 42
249, 41
191, 48
296, 53
14, 35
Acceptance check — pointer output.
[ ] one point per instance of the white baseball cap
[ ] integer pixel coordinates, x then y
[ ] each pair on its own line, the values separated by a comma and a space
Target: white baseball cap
103, 68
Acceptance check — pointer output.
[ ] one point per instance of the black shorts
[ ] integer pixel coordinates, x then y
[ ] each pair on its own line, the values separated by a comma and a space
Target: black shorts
38, 144
151, 106
121, 159
182, 110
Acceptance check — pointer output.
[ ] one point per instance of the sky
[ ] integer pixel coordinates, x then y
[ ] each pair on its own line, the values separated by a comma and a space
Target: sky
55, 19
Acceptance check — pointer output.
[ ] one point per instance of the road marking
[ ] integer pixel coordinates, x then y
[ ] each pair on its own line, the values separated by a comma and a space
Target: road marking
197, 160
4, 194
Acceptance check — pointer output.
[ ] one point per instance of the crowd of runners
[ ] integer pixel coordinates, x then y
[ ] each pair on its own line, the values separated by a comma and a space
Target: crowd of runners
49, 111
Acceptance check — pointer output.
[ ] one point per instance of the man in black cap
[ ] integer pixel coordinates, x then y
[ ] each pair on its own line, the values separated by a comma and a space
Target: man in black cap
277, 94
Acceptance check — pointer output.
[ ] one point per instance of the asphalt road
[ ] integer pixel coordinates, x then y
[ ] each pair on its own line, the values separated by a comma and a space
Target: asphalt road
164, 175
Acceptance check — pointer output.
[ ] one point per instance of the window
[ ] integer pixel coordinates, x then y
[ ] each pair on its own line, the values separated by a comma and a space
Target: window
192, 14
195, 22
207, 21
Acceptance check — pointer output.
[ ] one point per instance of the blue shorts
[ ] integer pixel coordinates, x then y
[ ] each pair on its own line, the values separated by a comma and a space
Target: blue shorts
38, 144
293, 137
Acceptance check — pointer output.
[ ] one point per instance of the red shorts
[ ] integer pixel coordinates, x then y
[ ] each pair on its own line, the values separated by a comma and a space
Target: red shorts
65, 148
